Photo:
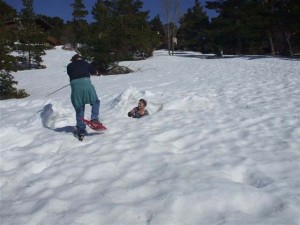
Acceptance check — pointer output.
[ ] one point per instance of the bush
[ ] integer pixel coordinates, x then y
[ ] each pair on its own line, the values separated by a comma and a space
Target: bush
7, 89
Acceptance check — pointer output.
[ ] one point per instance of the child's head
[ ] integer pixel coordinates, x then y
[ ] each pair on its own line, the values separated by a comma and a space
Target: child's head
142, 103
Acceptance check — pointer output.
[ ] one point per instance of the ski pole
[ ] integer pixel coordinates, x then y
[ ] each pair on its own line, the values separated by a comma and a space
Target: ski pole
57, 90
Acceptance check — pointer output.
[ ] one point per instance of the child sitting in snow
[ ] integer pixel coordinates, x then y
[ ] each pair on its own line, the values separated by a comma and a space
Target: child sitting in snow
139, 111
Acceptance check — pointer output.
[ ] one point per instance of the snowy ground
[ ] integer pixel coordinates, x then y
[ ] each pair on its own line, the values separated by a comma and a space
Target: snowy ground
221, 146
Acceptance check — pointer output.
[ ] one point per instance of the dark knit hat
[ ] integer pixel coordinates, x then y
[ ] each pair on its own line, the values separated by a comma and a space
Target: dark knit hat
75, 57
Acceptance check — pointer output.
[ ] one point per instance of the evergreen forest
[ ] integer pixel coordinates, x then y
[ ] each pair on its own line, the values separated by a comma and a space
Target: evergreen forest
122, 30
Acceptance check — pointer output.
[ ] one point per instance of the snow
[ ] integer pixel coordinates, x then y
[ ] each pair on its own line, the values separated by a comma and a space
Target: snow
221, 145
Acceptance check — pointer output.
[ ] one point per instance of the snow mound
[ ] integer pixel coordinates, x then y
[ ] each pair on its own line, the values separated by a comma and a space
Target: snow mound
54, 114
156, 102
129, 98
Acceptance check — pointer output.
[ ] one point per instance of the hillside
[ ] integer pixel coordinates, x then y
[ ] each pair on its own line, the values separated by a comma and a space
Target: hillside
221, 145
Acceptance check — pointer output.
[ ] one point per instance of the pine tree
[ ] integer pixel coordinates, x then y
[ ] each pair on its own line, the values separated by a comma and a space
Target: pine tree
7, 61
6, 12
32, 40
193, 26
281, 19
255, 26
98, 46
288, 26
120, 32
134, 36
79, 24
157, 26
79, 11
226, 28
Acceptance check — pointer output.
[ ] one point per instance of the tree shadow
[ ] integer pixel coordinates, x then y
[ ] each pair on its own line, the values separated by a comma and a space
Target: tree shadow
248, 57
205, 56
253, 57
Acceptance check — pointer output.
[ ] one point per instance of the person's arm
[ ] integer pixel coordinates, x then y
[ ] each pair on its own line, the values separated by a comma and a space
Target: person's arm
92, 69
68, 70
131, 113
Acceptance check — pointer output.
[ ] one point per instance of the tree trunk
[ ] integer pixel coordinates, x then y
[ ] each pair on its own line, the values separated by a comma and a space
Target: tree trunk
287, 38
173, 43
29, 60
240, 46
171, 8
167, 9
176, 17
269, 34
169, 38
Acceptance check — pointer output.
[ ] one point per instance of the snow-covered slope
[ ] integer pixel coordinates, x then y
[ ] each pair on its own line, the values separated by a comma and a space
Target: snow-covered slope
221, 145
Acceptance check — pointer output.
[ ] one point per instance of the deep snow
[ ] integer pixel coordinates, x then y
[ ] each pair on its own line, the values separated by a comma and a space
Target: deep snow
221, 145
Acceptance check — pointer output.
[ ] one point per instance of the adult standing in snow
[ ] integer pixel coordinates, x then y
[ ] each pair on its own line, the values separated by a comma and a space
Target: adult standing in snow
83, 91
139, 111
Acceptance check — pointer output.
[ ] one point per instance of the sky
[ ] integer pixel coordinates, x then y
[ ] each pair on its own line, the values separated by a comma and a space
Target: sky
220, 146
62, 9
